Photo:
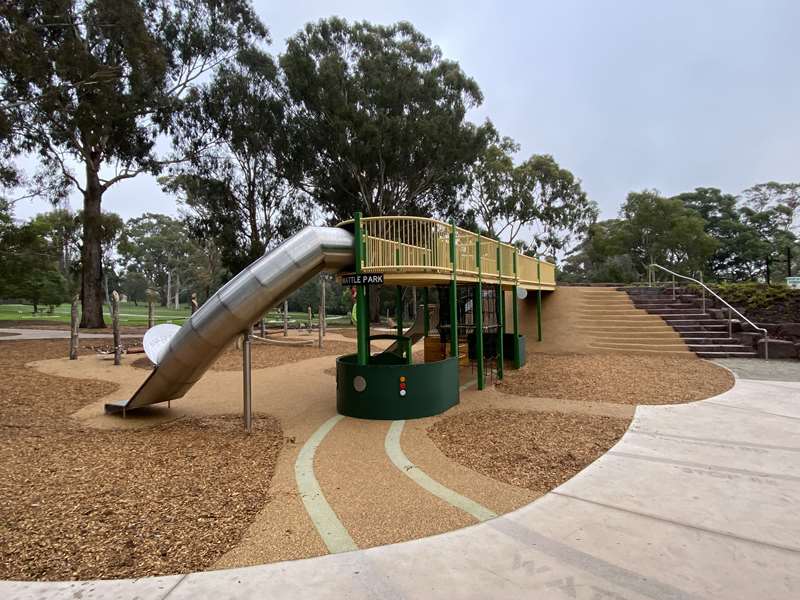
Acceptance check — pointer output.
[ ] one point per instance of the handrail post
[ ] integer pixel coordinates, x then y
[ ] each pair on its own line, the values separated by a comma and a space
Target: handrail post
703, 288
730, 324
673, 286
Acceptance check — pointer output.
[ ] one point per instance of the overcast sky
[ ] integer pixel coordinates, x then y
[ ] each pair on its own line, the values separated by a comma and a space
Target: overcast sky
626, 94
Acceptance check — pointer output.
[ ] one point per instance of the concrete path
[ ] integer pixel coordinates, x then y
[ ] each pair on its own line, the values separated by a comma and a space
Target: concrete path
54, 334
698, 500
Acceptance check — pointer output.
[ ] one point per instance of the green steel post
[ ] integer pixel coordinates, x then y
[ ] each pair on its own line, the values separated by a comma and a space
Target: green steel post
501, 318
539, 299
478, 305
362, 311
398, 308
426, 317
515, 316
453, 297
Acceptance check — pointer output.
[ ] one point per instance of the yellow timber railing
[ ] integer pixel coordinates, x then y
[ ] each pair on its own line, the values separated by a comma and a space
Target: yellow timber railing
405, 247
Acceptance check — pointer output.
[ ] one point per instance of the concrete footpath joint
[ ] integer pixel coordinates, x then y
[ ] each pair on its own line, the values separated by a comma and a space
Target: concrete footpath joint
696, 501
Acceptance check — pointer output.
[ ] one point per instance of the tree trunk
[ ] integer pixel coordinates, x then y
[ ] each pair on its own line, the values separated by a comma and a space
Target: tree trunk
177, 291
169, 289
92, 254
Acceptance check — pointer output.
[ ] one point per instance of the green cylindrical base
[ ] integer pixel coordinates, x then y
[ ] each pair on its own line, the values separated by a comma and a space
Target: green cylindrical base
509, 342
431, 388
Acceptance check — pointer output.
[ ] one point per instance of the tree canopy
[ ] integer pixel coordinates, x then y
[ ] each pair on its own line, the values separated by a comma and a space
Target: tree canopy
232, 184
96, 81
537, 204
377, 120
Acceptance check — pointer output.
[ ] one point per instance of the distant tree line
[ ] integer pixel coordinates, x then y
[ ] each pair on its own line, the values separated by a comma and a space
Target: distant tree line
728, 238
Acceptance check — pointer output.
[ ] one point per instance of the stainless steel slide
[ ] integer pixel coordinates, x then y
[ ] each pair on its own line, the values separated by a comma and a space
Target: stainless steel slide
236, 306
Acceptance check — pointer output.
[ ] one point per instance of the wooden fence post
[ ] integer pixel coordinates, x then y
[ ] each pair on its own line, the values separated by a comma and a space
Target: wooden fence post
74, 322
115, 326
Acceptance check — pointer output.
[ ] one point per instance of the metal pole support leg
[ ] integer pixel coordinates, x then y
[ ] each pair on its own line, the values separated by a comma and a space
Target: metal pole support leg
247, 391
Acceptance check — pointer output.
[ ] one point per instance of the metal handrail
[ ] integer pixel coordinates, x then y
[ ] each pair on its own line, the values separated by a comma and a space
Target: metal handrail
718, 297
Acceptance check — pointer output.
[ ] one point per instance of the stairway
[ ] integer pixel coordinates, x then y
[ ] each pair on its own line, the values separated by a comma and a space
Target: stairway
610, 320
704, 335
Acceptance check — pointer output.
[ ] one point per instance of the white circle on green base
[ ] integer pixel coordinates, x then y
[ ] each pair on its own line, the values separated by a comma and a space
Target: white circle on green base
359, 383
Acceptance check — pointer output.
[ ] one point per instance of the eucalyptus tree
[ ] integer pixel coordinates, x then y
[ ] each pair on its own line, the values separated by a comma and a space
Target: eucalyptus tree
774, 195
489, 191
160, 248
232, 184
537, 204
95, 82
377, 120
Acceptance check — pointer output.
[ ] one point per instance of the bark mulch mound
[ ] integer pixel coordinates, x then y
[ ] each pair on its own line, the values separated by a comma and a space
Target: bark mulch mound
534, 450
81, 503
265, 355
618, 378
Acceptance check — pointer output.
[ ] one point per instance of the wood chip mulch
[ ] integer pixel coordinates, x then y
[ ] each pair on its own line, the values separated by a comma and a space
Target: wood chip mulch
266, 355
619, 378
534, 450
79, 503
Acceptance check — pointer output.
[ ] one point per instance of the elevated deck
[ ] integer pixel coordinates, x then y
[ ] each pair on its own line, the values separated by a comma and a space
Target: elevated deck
416, 251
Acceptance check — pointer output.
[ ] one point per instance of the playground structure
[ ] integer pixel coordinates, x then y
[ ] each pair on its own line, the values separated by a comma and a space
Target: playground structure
405, 251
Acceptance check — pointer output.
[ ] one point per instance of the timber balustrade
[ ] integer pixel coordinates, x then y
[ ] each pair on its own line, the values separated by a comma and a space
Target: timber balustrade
418, 248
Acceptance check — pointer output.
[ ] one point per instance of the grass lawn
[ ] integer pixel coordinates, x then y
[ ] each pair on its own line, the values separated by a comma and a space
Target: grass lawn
130, 314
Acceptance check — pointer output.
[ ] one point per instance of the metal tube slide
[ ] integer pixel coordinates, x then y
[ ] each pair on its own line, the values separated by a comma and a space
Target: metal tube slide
240, 302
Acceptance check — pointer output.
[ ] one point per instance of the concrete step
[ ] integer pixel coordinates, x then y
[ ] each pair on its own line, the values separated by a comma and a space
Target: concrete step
703, 341
671, 310
615, 314
705, 354
647, 334
703, 334
642, 350
653, 298
686, 316
681, 322
677, 342
640, 346
629, 328
719, 348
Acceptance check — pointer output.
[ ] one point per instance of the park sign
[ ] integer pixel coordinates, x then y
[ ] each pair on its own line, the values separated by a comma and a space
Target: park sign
363, 279
793, 282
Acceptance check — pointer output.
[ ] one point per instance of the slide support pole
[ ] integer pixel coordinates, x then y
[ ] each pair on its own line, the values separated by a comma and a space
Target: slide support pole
247, 384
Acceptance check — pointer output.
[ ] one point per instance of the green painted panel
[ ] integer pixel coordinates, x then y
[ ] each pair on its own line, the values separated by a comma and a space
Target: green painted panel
431, 388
